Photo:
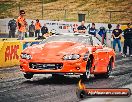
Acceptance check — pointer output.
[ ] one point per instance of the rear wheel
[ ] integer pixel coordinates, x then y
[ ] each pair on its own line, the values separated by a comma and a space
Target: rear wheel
86, 75
28, 75
107, 74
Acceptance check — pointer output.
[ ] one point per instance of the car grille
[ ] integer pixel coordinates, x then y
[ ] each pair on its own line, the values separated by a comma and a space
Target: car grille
42, 66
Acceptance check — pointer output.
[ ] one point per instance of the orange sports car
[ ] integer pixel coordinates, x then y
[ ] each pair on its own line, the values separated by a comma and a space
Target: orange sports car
67, 54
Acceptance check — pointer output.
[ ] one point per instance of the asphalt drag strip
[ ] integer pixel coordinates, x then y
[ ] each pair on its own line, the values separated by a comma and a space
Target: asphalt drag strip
43, 88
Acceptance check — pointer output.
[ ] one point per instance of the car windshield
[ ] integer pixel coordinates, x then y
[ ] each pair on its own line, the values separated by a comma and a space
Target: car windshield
79, 39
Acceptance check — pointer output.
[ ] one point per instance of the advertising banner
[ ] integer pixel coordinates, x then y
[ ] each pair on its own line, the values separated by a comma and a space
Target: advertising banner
10, 53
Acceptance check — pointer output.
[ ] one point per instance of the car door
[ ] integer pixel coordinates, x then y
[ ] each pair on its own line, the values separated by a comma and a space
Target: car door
101, 55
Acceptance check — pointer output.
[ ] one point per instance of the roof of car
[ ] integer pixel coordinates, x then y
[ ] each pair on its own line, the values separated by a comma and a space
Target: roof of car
80, 34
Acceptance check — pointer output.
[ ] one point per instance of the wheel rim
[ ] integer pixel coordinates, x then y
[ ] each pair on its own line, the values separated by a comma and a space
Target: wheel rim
88, 69
88, 74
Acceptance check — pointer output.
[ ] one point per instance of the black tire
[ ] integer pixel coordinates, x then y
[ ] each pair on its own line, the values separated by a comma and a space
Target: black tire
57, 76
107, 74
28, 75
86, 75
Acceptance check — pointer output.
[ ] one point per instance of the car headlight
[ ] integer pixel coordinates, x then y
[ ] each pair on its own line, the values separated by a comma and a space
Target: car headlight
26, 56
71, 57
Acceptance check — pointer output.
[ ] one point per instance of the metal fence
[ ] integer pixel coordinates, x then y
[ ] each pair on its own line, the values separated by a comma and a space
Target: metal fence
37, 10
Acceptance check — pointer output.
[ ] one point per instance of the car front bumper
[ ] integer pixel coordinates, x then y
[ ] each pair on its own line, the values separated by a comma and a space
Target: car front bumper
68, 66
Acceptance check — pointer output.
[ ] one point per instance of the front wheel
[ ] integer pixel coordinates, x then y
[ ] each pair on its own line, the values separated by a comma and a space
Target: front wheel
86, 75
28, 75
57, 76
